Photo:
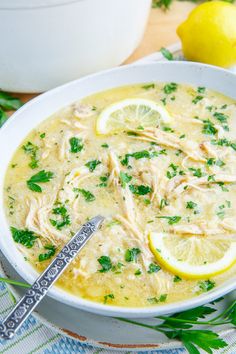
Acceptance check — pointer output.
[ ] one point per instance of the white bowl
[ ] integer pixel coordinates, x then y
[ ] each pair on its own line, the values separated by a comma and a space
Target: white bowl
32, 113
50, 42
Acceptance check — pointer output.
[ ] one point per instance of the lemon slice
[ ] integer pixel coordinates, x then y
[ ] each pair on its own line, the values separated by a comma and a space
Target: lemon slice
193, 257
130, 114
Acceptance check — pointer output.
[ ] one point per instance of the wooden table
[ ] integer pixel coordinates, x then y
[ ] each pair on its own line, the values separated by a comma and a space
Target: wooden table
160, 32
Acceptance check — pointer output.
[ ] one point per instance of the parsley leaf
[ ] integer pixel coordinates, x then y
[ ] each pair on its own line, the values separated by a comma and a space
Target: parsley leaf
51, 252
40, 177
197, 99
208, 127
3, 117
171, 219
124, 178
169, 88
24, 237
140, 189
201, 89
9, 103
88, 196
108, 296
153, 268
191, 205
105, 263
148, 86
31, 150
132, 254
75, 145
206, 285
92, 164
165, 52
64, 220
197, 172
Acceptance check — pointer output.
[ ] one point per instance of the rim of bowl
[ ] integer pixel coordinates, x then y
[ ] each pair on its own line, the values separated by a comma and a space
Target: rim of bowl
91, 306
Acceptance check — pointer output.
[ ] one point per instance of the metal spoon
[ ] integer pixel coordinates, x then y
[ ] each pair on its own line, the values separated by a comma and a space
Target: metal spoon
38, 290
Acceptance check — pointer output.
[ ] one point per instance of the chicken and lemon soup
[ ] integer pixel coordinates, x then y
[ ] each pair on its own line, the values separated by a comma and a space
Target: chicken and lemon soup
159, 162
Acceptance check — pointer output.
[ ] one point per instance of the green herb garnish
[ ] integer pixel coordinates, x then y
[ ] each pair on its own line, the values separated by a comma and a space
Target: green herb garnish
31, 150
75, 145
105, 263
51, 250
140, 189
64, 217
40, 177
171, 219
153, 268
124, 179
132, 254
92, 164
24, 237
197, 99
165, 52
169, 88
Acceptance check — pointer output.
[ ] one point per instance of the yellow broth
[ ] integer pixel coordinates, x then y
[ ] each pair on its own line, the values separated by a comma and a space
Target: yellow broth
78, 191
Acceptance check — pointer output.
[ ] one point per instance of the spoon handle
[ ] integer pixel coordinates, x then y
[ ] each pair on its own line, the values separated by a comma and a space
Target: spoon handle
38, 290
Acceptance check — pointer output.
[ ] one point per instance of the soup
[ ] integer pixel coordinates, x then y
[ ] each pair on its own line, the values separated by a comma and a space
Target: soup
158, 161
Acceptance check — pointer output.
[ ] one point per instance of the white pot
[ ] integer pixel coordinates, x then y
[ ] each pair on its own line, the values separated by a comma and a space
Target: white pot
46, 43
43, 106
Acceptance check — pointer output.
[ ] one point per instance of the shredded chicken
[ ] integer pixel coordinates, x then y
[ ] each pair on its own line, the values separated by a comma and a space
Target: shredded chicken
190, 148
38, 219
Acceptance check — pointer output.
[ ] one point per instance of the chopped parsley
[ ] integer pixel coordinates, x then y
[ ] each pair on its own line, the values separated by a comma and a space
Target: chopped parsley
138, 272
105, 146
42, 135
169, 88
211, 161
224, 142
163, 203
109, 296
75, 145
155, 300
132, 254
88, 196
197, 99
153, 268
197, 172
148, 86
105, 263
92, 164
31, 150
40, 177
174, 171
222, 118
208, 127
51, 250
177, 279
206, 285
201, 89
124, 179
171, 219
24, 237
103, 180
191, 205
140, 189
64, 219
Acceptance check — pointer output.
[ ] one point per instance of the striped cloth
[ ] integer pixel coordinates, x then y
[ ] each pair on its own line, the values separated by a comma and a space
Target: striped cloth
36, 338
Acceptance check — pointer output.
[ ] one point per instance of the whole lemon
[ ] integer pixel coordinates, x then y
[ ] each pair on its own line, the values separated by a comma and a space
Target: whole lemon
209, 34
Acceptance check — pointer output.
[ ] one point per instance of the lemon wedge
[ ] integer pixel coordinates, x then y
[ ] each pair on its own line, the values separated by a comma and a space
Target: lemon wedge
193, 257
130, 114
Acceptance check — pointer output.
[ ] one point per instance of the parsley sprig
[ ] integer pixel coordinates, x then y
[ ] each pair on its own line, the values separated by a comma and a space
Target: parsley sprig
40, 177
180, 326
7, 103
